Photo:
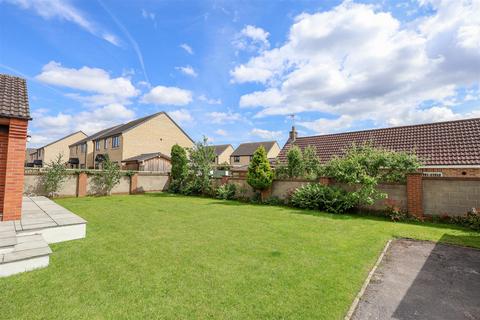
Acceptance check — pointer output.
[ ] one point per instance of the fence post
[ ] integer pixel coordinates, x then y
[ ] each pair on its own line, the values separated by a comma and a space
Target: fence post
415, 194
82, 184
133, 183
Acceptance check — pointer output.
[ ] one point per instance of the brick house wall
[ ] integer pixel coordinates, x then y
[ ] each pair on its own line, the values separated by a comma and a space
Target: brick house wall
455, 172
12, 154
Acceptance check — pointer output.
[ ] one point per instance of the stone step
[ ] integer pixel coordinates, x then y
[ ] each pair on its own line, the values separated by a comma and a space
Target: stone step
29, 253
8, 236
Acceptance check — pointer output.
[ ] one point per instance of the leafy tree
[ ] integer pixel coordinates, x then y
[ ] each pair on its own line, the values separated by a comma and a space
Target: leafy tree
295, 165
363, 168
311, 163
55, 173
108, 177
259, 174
179, 171
201, 166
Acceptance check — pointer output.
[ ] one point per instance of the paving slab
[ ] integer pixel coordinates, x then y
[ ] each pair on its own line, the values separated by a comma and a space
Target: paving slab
423, 280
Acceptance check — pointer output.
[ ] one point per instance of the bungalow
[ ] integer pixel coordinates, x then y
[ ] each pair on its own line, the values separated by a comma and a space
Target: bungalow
14, 117
156, 133
448, 149
50, 152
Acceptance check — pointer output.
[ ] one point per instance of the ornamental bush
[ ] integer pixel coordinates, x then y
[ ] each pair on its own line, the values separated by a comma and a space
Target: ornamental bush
106, 179
226, 191
202, 157
55, 173
179, 171
320, 197
259, 174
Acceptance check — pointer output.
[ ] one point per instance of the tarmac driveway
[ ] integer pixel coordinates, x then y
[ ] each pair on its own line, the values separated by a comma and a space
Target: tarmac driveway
423, 280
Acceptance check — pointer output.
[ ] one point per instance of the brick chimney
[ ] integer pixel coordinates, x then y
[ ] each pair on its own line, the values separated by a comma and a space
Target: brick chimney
292, 135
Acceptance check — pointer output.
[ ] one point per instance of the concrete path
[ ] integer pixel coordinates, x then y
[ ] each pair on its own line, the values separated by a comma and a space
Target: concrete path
423, 280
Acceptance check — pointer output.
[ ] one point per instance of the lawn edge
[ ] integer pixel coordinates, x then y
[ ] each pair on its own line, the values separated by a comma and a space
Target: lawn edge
355, 302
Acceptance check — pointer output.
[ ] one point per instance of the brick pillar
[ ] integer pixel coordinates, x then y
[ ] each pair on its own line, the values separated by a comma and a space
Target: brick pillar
134, 183
324, 180
3, 163
82, 184
415, 194
14, 169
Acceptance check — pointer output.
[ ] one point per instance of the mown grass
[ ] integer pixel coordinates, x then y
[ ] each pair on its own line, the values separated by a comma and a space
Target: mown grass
159, 256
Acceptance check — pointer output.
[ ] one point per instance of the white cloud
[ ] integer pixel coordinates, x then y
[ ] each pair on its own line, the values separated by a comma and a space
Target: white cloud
208, 100
181, 116
161, 95
93, 80
322, 126
221, 132
357, 61
64, 10
148, 15
187, 70
266, 134
252, 38
187, 48
224, 117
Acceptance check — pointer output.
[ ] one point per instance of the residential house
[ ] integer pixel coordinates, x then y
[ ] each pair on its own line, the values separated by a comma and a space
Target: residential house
448, 149
29, 155
156, 133
49, 152
222, 153
241, 157
14, 117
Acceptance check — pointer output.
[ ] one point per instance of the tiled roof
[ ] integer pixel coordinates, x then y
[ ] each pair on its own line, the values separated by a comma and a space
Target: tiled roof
147, 156
219, 149
442, 143
247, 149
13, 97
95, 135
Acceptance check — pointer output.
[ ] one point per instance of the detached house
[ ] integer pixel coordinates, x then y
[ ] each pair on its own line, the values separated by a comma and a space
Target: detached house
14, 117
222, 153
50, 152
132, 141
243, 154
448, 149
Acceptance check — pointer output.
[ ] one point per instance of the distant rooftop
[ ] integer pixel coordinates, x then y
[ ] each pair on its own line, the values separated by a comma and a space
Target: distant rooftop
247, 149
441, 143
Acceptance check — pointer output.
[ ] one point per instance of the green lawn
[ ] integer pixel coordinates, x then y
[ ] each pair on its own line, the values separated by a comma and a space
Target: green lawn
172, 257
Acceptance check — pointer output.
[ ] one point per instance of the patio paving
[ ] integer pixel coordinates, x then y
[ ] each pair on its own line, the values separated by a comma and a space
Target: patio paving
24, 243
423, 280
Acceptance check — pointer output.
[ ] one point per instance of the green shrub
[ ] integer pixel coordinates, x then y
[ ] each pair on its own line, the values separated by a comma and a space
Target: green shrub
470, 220
55, 173
202, 157
396, 214
320, 197
259, 174
179, 171
106, 179
295, 165
226, 191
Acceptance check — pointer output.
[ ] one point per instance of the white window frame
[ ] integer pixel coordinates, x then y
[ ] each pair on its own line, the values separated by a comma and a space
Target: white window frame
105, 143
97, 145
115, 142
236, 159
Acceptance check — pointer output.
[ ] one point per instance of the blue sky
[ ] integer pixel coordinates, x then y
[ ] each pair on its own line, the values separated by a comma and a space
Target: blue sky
235, 70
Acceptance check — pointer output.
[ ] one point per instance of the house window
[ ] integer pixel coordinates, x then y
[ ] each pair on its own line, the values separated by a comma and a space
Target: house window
236, 159
83, 148
76, 150
97, 145
115, 142
250, 158
105, 143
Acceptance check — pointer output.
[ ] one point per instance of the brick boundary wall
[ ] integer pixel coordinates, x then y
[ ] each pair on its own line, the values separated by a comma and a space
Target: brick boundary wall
415, 194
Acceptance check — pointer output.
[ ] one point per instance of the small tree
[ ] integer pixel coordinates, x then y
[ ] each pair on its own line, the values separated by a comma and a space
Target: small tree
259, 174
363, 168
55, 174
108, 177
202, 157
179, 171
311, 163
295, 165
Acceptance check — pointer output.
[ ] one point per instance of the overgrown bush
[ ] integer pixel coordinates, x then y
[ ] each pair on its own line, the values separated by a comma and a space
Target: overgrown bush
470, 220
179, 171
396, 214
259, 174
320, 197
363, 168
295, 165
202, 157
55, 173
226, 191
107, 178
